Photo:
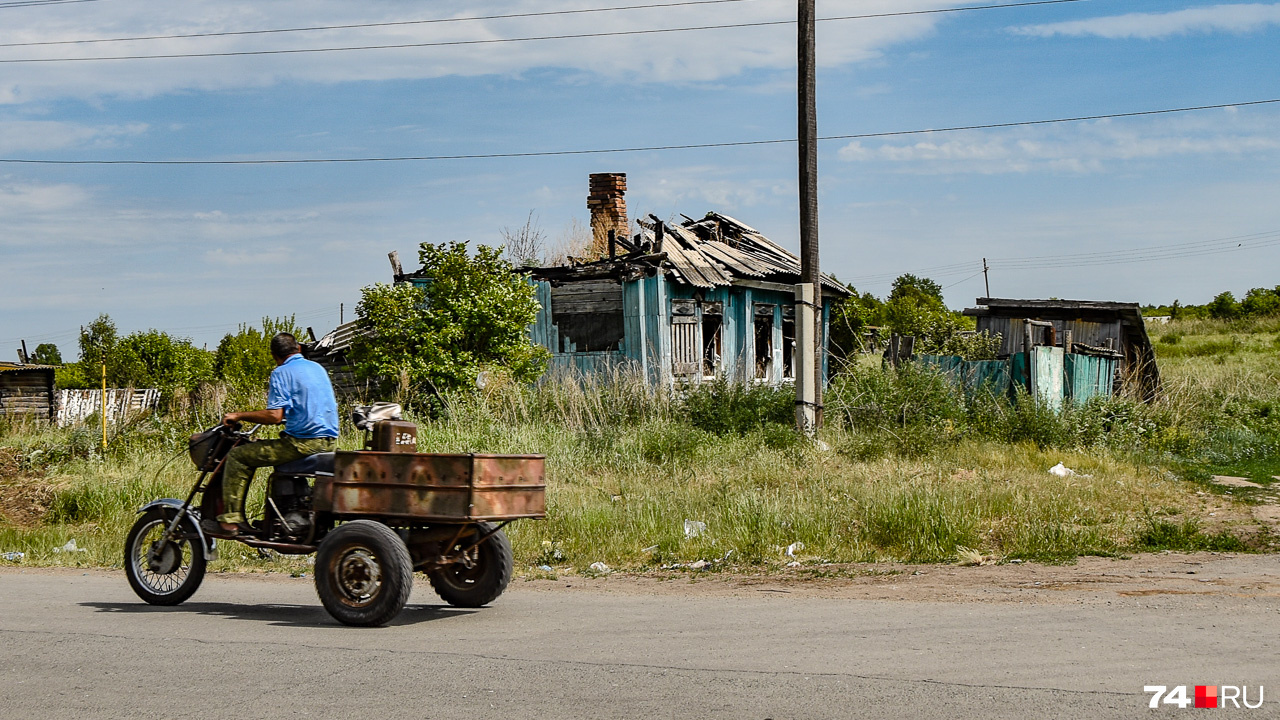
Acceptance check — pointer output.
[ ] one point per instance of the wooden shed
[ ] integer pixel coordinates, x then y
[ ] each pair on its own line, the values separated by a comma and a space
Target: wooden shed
1088, 327
27, 391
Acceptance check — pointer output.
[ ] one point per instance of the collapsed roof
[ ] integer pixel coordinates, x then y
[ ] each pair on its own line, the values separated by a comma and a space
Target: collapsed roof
715, 251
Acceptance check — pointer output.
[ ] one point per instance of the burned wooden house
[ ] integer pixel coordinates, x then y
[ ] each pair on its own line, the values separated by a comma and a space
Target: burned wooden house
678, 302
1108, 330
681, 302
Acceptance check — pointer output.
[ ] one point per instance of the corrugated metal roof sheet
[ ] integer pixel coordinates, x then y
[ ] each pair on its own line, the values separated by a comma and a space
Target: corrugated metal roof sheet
718, 249
12, 367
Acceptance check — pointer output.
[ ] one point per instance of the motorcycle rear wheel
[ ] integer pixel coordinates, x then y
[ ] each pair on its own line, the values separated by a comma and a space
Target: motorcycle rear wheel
163, 572
363, 573
483, 577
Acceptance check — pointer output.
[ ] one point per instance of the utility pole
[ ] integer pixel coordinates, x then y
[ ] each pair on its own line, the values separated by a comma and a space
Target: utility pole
809, 301
985, 280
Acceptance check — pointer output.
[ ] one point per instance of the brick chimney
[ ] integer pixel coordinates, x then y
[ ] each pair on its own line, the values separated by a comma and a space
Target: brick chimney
608, 206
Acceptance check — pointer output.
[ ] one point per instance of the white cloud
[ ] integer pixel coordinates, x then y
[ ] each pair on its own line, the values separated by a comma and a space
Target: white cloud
681, 57
24, 198
28, 135
696, 189
1147, 26
1086, 148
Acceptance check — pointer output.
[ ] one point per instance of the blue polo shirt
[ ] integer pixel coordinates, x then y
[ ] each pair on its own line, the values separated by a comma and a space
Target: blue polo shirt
302, 389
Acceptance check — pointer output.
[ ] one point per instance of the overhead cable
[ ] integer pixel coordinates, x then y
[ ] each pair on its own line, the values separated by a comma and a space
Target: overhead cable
1119, 257
648, 148
361, 26
34, 3
491, 41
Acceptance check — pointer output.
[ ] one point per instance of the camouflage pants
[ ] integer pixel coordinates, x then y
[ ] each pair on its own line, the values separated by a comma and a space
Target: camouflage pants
242, 461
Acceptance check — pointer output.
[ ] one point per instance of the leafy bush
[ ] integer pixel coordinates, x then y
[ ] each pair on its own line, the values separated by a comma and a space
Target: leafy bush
723, 408
472, 315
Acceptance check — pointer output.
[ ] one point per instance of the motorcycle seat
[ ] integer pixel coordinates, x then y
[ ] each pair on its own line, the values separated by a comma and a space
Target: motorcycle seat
318, 464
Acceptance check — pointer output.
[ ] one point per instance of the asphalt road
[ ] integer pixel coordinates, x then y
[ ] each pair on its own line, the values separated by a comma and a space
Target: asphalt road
80, 645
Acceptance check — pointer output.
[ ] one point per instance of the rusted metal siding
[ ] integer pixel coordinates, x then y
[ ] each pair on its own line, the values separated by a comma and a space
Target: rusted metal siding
434, 487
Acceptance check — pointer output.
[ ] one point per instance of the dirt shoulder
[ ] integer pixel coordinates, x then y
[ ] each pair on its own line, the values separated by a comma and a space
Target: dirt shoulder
1189, 576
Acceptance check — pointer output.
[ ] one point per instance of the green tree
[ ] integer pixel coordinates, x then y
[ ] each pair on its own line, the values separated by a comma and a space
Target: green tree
153, 358
850, 318
97, 340
46, 354
924, 290
1260, 302
1224, 307
472, 315
243, 359
915, 308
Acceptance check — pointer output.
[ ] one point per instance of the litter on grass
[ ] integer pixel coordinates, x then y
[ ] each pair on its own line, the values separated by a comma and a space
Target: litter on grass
601, 568
12, 556
694, 528
1061, 470
70, 547
793, 548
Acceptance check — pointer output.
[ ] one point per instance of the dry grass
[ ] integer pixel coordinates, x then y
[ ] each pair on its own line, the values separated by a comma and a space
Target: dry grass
627, 467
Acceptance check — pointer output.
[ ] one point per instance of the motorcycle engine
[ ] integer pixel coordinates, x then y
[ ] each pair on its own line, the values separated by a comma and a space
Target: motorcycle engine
292, 499
299, 524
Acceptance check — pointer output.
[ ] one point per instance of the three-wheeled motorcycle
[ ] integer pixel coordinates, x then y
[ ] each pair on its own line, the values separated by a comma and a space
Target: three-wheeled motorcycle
372, 517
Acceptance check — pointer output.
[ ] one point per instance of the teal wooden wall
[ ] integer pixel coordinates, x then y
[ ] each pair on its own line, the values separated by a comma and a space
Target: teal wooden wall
646, 344
1049, 374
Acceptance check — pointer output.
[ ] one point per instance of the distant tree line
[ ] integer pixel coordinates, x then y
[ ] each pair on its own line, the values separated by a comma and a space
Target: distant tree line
1258, 302
157, 359
914, 307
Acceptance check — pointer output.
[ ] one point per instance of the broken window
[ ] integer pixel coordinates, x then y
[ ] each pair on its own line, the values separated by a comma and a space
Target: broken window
764, 341
588, 314
685, 347
712, 326
788, 341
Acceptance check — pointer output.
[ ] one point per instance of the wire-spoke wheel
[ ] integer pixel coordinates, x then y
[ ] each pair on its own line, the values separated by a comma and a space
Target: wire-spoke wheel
163, 570
481, 573
363, 573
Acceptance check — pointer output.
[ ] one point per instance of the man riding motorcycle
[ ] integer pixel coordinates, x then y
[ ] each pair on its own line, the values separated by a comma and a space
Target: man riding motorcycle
299, 395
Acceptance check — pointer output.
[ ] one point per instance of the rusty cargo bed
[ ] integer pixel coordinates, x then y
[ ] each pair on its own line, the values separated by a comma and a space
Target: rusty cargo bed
436, 487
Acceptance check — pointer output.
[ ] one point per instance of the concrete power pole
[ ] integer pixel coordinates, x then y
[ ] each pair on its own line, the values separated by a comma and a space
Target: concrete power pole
808, 361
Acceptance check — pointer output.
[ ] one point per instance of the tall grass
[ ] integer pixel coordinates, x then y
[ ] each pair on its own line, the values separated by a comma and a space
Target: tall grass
909, 468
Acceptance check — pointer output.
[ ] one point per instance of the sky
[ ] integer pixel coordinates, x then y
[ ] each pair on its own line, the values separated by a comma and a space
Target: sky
1153, 207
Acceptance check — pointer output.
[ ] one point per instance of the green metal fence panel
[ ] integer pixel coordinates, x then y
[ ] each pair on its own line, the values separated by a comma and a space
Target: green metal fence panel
1088, 376
1047, 375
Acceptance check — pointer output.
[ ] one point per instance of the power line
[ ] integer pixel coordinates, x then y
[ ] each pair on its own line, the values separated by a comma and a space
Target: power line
358, 26
648, 148
1036, 261
1154, 253
34, 3
491, 41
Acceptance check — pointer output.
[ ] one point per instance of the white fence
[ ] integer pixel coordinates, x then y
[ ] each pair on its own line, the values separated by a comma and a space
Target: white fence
76, 405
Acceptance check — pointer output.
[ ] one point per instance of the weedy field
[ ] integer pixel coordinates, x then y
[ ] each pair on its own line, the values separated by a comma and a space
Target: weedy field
908, 468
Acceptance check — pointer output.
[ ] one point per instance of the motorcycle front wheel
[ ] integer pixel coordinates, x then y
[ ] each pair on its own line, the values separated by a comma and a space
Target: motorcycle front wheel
160, 571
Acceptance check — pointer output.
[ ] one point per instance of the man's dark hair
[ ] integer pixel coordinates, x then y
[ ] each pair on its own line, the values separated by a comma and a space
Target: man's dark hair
283, 345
